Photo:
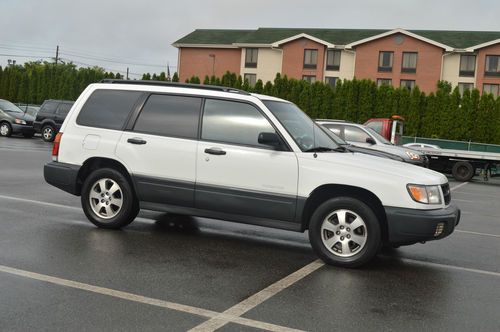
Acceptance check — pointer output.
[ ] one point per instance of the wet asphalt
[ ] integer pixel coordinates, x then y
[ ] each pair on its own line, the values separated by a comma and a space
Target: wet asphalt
451, 284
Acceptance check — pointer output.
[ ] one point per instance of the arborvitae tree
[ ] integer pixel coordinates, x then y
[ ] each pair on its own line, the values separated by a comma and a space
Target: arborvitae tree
146, 76
213, 80
259, 86
239, 82
206, 81
162, 76
246, 85
175, 77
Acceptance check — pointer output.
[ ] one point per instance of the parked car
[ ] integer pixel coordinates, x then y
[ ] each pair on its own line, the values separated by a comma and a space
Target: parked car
50, 117
222, 153
361, 135
14, 121
421, 146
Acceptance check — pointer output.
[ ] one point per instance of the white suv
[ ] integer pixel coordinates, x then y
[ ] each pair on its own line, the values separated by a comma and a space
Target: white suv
222, 153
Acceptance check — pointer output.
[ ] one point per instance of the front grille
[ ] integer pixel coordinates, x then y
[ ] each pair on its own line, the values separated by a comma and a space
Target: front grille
446, 193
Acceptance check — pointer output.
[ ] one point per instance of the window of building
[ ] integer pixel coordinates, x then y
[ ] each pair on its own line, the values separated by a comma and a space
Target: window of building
385, 60
310, 59
108, 108
251, 78
384, 81
234, 123
309, 78
355, 134
409, 84
251, 55
332, 81
333, 59
409, 64
467, 65
465, 86
492, 65
174, 116
491, 88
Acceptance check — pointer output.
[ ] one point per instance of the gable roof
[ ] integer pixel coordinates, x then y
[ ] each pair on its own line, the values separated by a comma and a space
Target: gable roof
268, 36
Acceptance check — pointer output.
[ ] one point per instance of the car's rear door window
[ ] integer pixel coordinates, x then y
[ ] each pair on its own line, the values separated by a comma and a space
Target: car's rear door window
108, 108
49, 107
166, 115
63, 108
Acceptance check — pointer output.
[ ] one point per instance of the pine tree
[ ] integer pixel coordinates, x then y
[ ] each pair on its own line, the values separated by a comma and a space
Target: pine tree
175, 77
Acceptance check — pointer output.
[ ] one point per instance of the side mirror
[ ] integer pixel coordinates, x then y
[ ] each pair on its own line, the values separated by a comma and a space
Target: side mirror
370, 140
271, 139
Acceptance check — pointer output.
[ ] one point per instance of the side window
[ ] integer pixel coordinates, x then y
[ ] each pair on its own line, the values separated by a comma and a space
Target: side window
355, 134
166, 115
233, 123
336, 129
49, 107
376, 125
108, 109
64, 108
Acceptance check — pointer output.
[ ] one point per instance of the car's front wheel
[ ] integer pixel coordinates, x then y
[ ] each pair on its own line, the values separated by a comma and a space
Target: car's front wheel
5, 129
344, 231
108, 199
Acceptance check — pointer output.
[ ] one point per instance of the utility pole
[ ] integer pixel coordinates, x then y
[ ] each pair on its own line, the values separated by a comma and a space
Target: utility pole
127, 73
57, 53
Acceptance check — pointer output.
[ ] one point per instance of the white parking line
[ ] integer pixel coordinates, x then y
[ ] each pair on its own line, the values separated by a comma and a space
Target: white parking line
256, 299
476, 233
458, 186
141, 299
451, 267
39, 202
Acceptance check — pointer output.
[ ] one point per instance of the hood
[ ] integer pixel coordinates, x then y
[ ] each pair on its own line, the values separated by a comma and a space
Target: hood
396, 149
378, 153
378, 167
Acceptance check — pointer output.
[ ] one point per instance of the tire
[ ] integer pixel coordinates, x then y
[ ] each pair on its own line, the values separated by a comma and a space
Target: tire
5, 129
334, 239
48, 133
462, 171
102, 193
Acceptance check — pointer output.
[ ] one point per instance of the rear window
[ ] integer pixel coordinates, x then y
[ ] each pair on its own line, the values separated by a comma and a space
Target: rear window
49, 107
108, 108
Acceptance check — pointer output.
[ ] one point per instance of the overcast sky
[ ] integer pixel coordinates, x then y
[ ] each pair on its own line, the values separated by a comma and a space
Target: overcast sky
138, 33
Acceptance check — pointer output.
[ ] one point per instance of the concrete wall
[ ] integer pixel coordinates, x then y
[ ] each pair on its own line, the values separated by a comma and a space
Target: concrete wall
428, 61
268, 64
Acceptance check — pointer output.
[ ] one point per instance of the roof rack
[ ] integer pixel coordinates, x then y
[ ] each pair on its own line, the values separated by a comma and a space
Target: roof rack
176, 85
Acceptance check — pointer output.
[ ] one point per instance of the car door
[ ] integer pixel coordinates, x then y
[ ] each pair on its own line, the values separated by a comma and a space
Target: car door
356, 136
237, 175
160, 150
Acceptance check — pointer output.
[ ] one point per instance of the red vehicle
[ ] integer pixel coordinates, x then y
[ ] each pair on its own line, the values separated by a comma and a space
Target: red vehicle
391, 128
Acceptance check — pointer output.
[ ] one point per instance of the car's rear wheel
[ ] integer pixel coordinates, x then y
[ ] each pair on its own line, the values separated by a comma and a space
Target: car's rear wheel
108, 199
5, 129
462, 171
345, 232
48, 133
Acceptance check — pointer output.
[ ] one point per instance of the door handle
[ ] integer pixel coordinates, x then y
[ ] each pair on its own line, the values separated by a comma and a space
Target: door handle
215, 151
136, 141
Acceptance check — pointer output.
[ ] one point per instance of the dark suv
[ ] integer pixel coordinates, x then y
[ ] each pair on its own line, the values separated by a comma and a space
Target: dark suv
50, 118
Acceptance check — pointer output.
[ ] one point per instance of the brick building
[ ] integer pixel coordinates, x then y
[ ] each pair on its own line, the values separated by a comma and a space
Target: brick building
397, 57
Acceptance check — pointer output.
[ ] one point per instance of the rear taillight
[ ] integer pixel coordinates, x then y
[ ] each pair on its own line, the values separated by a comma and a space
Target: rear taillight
55, 147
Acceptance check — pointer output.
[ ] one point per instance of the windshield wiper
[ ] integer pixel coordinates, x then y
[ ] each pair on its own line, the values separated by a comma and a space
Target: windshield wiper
325, 149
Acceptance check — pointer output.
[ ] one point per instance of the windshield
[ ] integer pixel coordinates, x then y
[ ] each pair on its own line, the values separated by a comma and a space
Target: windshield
307, 134
378, 136
7, 106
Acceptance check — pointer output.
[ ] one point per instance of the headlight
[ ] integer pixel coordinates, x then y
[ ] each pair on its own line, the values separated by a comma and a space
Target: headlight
425, 194
19, 121
413, 155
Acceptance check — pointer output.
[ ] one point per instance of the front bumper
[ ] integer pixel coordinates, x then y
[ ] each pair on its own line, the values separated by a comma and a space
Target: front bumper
63, 176
22, 129
406, 226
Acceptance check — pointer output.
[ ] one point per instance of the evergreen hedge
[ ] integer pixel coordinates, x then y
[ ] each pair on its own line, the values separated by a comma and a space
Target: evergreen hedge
442, 114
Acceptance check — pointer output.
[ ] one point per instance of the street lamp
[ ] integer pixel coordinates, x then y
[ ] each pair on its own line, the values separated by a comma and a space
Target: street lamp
213, 63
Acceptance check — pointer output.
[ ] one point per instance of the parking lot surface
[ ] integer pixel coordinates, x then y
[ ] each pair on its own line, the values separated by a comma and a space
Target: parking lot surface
175, 273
